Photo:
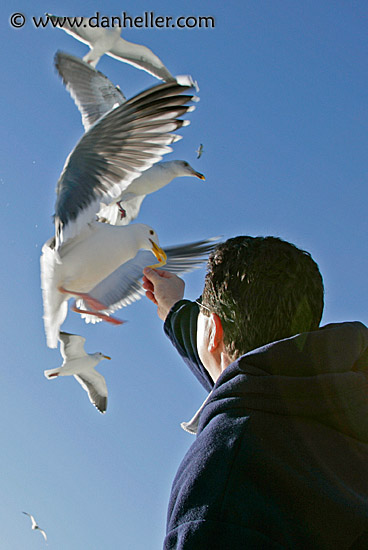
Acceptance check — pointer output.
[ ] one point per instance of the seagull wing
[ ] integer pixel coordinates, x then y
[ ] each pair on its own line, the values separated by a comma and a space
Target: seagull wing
130, 204
79, 30
43, 533
94, 384
141, 57
124, 285
71, 346
121, 145
34, 522
92, 91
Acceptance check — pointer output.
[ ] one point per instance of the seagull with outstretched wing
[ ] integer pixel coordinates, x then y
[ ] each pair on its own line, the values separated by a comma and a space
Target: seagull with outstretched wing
81, 365
36, 527
199, 151
108, 41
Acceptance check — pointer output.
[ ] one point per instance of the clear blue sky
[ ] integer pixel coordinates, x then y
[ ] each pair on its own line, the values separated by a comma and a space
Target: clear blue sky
283, 121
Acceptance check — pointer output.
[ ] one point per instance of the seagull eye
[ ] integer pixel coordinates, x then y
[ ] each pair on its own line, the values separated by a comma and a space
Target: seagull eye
152, 232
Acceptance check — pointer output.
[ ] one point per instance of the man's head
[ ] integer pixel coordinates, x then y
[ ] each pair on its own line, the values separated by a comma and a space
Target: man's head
262, 289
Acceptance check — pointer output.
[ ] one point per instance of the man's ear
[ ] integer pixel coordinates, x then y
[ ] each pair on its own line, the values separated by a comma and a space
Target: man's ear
216, 333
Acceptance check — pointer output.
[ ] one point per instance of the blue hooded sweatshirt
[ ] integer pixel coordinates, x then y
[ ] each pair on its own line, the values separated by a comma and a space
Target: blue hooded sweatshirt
280, 458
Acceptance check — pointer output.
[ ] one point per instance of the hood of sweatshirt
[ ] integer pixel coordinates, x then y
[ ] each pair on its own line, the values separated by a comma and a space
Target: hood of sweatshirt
321, 375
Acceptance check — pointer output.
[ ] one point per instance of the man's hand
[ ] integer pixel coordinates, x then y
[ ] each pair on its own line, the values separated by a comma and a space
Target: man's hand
163, 289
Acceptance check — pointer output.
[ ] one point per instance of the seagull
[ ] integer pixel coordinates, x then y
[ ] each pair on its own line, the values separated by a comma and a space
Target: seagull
124, 286
199, 151
115, 150
82, 366
75, 268
95, 95
35, 526
108, 41
126, 207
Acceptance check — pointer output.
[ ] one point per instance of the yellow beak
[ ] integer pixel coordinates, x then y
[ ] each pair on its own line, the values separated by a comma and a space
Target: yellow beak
106, 357
199, 175
160, 255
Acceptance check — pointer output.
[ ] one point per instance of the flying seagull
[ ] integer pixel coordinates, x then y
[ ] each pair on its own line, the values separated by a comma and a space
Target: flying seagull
95, 95
114, 151
81, 365
199, 151
35, 526
108, 41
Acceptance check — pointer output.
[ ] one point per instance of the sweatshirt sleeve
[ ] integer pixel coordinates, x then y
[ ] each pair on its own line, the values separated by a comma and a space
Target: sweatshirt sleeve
181, 328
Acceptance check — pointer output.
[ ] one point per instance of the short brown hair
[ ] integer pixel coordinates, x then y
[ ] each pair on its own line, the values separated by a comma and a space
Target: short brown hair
263, 289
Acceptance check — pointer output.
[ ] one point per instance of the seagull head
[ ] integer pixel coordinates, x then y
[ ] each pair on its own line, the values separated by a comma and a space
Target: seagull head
148, 240
100, 356
183, 168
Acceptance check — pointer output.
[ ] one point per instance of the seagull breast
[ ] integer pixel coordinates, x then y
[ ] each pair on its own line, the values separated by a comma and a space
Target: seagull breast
79, 365
89, 259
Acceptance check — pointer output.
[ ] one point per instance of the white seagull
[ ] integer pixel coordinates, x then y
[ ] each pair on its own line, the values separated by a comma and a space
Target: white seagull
35, 526
95, 95
108, 41
81, 365
111, 154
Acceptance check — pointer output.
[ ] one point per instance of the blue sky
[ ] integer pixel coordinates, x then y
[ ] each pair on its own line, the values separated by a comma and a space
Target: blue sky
283, 121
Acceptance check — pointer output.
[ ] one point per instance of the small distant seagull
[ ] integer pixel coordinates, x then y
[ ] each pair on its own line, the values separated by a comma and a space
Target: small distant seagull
35, 526
199, 151
81, 365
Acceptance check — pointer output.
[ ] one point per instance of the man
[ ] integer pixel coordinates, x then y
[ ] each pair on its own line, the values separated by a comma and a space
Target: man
280, 458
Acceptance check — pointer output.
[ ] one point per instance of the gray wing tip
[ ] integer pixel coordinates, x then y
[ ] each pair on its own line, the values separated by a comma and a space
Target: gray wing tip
101, 404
